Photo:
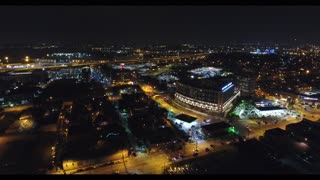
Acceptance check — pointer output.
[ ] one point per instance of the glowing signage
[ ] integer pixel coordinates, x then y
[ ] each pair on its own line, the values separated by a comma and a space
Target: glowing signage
227, 87
308, 98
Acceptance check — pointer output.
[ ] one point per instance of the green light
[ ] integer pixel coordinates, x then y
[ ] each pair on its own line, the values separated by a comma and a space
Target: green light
231, 130
171, 113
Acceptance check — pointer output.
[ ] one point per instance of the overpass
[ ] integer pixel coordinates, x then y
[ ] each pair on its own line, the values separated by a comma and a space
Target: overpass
4, 68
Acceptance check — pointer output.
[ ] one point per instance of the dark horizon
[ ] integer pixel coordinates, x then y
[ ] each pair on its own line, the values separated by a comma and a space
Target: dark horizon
162, 24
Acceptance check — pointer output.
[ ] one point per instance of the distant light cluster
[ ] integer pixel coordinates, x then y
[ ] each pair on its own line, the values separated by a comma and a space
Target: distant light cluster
267, 51
207, 72
76, 55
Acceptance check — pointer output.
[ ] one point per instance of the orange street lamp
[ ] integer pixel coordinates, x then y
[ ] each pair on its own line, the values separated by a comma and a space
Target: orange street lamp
27, 59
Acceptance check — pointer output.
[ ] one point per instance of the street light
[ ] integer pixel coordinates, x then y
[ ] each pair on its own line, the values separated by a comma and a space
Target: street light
196, 145
27, 59
6, 58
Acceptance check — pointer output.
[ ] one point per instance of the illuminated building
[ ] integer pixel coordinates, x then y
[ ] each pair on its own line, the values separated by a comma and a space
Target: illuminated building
185, 120
309, 97
211, 94
271, 111
267, 51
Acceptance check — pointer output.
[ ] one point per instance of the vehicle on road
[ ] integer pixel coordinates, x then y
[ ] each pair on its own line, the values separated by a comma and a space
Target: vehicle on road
195, 150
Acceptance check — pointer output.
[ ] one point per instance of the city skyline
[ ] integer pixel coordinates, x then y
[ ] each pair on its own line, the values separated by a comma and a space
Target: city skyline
159, 90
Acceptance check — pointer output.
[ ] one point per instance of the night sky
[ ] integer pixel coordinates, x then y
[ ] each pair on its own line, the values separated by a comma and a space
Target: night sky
168, 24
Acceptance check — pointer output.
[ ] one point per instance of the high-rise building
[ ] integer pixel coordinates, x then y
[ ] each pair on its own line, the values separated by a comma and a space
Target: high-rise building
211, 94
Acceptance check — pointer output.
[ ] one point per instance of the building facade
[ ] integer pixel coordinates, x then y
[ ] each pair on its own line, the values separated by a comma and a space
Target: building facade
208, 94
246, 85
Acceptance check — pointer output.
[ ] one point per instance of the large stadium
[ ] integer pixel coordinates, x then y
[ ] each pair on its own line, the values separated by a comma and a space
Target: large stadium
213, 94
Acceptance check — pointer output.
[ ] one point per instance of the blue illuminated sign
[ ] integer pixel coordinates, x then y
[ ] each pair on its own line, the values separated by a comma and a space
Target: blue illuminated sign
227, 87
224, 87
308, 98
272, 51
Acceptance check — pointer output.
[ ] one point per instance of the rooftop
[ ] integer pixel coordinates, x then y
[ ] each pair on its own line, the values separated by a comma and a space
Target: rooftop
215, 83
311, 93
269, 108
206, 72
216, 126
186, 118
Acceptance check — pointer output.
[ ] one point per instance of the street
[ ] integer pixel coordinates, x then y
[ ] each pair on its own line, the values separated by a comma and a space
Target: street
154, 163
